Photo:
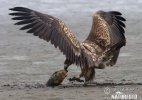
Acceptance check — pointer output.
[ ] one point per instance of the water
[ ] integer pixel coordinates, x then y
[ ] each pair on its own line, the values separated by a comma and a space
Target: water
25, 58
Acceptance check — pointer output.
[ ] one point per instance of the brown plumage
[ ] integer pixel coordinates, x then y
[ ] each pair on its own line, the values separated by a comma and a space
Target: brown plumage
100, 49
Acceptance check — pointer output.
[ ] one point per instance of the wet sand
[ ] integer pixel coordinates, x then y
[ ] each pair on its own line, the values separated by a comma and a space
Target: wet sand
26, 62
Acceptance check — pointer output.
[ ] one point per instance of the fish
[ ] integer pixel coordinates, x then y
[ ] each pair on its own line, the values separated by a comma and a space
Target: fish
56, 78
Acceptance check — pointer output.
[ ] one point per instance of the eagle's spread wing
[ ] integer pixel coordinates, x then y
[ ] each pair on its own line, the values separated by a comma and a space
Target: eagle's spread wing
107, 29
108, 34
48, 28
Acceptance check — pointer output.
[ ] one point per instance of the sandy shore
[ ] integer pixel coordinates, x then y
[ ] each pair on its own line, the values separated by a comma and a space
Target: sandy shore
37, 91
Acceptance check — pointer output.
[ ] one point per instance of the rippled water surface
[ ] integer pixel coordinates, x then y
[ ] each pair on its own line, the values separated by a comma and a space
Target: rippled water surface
25, 58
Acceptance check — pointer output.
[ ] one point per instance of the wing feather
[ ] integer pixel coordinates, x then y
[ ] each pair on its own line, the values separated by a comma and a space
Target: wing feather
107, 28
120, 18
107, 34
50, 29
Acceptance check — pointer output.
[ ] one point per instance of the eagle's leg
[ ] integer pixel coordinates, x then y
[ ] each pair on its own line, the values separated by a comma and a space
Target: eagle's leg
89, 75
67, 63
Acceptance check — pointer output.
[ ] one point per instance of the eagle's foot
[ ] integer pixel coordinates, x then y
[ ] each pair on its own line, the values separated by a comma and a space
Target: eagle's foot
75, 79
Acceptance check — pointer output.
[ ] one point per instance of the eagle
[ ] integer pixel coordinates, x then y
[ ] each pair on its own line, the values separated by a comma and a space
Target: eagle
101, 48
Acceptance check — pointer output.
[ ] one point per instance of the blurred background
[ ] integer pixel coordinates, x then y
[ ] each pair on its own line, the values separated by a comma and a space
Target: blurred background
25, 58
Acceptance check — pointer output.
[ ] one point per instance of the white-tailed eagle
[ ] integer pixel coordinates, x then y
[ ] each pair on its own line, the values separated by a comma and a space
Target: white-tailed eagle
100, 49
